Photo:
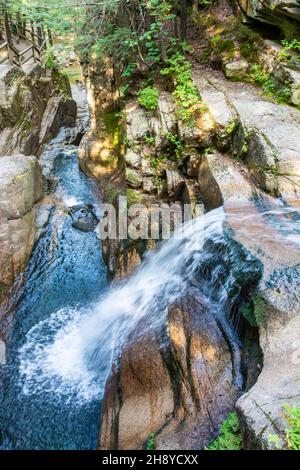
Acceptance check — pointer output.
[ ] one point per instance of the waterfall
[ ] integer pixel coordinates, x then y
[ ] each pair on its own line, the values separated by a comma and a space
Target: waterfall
71, 352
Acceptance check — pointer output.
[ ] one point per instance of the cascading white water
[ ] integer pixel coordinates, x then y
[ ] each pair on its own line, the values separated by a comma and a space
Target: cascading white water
71, 352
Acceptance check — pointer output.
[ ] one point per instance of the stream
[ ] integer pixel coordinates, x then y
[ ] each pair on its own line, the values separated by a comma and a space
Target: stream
65, 276
68, 326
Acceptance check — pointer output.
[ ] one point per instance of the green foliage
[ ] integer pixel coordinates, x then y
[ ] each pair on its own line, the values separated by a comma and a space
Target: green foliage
148, 98
269, 85
176, 144
292, 417
260, 311
186, 95
246, 50
149, 139
291, 44
133, 197
150, 444
222, 44
205, 3
230, 435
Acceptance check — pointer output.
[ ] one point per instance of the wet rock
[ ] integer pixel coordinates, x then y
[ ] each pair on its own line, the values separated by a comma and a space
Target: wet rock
42, 217
97, 155
20, 188
159, 382
84, 218
276, 304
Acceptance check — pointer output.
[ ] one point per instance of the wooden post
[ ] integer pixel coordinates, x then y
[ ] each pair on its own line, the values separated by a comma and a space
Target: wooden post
32, 31
40, 35
7, 29
18, 26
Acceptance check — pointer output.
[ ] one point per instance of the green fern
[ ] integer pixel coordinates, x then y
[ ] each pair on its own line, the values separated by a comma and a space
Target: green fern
150, 444
230, 435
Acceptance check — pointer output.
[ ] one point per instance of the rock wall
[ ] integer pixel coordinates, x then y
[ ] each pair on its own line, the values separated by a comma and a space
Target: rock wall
20, 188
283, 14
34, 104
242, 152
175, 381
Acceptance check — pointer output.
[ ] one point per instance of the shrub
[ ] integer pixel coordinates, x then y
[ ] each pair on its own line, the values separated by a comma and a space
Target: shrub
230, 435
292, 417
186, 95
269, 85
148, 98
221, 44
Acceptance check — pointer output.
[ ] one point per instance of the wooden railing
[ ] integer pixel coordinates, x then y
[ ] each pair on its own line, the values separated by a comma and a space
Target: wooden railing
21, 42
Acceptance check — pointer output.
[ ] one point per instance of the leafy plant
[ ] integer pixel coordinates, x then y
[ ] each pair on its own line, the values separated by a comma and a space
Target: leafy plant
148, 98
269, 85
186, 95
149, 139
150, 444
260, 311
291, 44
176, 144
230, 435
221, 44
292, 417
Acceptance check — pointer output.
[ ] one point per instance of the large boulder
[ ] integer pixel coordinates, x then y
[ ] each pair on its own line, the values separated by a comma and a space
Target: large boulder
276, 303
34, 104
284, 14
20, 188
265, 134
98, 156
174, 380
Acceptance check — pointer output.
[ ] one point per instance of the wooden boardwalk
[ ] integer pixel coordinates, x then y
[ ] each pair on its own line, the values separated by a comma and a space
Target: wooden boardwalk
21, 41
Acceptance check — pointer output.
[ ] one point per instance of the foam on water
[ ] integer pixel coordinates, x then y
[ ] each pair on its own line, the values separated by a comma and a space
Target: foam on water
70, 353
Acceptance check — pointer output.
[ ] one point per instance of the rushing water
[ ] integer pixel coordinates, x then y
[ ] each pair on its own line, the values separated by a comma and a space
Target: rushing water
67, 326
66, 274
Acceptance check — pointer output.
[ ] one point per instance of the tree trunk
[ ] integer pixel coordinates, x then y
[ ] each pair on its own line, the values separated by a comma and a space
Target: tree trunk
183, 18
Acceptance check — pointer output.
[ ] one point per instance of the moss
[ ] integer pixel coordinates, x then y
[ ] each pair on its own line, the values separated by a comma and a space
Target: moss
111, 194
74, 74
61, 83
221, 44
133, 197
231, 127
205, 55
260, 310
112, 125
292, 418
